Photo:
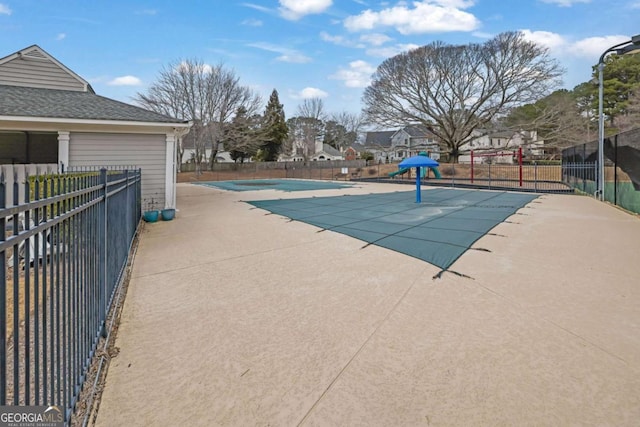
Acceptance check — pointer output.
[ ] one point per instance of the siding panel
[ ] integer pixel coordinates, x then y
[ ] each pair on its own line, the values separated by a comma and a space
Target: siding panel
37, 73
106, 149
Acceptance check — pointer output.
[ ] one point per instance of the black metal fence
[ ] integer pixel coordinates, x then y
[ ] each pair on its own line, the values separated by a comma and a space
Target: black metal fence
63, 253
621, 168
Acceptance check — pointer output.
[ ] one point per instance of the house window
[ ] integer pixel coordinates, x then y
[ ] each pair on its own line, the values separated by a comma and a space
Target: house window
28, 147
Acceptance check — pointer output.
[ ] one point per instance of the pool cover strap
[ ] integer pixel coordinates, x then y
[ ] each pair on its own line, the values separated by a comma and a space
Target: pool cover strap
438, 230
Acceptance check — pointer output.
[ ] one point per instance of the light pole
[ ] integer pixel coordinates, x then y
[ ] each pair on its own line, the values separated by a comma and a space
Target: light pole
620, 49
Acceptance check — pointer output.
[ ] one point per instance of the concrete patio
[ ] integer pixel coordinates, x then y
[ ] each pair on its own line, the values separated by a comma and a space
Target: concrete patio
237, 318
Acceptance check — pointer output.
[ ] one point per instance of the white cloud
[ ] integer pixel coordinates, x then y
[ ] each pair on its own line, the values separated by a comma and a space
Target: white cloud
206, 68
340, 40
553, 41
333, 39
482, 35
296, 9
286, 54
565, 3
635, 5
428, 16
257, 7
4, 9
389, 51
593, 47
375, 39
252, 22
309, 92
125, 81
357, 75
61, 36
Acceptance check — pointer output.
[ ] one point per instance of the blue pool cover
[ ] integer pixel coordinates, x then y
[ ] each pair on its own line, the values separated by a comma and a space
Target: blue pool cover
276, 184
438, 230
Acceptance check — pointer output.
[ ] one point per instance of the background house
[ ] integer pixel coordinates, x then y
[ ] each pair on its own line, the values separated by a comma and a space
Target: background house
396, 145
354, 151
326, 152
319, 151
50, 115
504, 142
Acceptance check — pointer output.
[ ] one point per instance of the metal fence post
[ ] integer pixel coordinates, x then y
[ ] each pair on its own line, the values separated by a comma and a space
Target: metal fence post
615, 171
3, 300
103, 256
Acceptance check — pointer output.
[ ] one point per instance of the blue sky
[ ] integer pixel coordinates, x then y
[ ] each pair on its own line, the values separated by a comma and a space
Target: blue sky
302, 48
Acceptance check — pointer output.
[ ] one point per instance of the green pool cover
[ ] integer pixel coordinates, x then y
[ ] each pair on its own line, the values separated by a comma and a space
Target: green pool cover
438, 230
275, 184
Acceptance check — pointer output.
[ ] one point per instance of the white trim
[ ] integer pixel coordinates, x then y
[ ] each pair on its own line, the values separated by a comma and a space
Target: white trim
92, 121
63, 150
170, 172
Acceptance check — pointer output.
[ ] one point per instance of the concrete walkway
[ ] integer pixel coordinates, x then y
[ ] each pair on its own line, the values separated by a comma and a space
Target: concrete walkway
238, 318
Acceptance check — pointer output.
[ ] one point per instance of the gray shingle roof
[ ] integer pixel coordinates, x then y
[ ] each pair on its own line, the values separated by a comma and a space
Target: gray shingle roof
382, 139
63, 104
330, 150
359, 148
419, 131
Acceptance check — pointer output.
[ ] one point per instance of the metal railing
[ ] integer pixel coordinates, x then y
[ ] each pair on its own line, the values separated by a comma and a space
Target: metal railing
64, 250
545, 178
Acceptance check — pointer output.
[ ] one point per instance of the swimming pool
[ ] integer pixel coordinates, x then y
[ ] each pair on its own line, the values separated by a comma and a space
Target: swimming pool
276, 184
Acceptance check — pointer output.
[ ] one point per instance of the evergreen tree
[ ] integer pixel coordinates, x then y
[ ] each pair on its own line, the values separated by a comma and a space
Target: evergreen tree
274, 129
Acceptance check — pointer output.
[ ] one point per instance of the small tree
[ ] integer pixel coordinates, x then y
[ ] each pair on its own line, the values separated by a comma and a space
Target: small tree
274, 129
241, 136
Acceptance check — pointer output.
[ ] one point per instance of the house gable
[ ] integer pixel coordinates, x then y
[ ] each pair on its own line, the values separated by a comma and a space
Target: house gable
33, 67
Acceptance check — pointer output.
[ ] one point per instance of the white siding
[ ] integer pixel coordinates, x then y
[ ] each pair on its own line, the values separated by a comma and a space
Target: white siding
147, 152
39, 72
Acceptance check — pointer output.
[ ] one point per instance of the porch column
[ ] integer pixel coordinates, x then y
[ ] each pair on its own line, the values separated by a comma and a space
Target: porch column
63, 151
170, 171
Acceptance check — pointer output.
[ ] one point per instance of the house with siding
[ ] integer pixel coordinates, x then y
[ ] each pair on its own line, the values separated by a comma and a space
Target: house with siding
396, 145
326, 152
501, 145
354, 151
50, 115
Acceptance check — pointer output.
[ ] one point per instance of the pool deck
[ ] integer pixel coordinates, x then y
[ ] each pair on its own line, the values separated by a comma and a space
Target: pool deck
234, 318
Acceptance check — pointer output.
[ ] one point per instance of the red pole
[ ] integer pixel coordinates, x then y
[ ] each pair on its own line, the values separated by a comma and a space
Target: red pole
520, 163
472, 166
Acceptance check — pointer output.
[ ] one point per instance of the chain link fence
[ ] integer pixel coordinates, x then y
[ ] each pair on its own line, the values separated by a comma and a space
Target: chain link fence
621, 169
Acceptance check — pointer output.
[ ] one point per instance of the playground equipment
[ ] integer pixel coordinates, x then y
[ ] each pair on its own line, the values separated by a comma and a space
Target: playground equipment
421, 161
423, 172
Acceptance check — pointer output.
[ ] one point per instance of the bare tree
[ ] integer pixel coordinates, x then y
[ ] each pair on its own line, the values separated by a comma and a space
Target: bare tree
312, 108
208, 96
453, 90
557, 120
351, 122
310, 124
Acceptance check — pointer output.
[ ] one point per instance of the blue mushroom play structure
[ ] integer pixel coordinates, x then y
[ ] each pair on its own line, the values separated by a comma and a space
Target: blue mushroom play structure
421, 162
423, 170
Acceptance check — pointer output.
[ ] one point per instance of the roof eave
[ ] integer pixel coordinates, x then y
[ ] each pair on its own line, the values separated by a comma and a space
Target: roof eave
92, 121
